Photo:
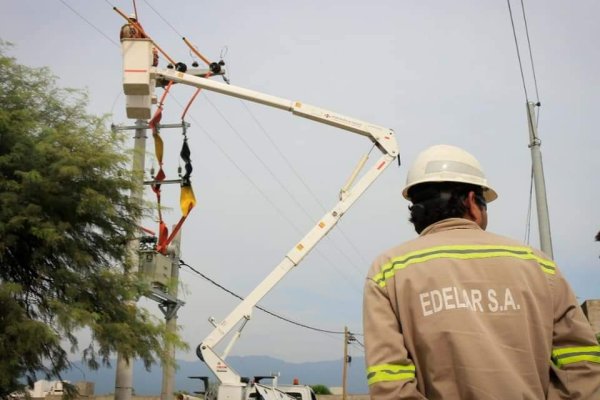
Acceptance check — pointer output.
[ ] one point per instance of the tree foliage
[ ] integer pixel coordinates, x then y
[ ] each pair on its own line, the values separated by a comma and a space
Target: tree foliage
65, 221
320, 389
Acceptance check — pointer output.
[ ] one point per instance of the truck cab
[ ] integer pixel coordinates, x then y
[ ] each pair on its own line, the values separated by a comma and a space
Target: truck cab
298, 392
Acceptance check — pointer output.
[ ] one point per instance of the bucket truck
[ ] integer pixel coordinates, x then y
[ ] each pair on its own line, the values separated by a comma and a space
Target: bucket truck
139, 82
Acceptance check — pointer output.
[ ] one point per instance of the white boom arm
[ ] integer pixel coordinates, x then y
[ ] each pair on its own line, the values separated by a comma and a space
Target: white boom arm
139, 82
383, 138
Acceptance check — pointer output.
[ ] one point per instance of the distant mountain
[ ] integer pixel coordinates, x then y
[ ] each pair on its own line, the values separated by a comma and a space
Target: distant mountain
148, 383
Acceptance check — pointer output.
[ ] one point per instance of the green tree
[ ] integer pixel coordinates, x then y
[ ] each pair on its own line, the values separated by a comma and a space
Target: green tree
65, 221
320, 389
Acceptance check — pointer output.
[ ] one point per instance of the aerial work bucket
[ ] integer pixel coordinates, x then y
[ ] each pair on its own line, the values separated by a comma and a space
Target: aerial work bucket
137, 86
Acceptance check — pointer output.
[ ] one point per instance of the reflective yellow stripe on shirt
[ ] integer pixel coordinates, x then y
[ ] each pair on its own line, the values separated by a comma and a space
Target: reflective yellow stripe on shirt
461, 252
570, 355
389, 372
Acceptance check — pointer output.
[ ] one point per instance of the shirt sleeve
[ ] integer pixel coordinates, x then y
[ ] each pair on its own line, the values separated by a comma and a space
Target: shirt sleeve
575, 366
390, 370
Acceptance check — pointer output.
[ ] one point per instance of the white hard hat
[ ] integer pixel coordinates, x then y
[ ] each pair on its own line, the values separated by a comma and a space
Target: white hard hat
132, 16
444, 163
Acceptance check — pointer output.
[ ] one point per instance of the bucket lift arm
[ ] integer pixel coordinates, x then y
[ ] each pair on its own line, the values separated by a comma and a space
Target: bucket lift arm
382, 138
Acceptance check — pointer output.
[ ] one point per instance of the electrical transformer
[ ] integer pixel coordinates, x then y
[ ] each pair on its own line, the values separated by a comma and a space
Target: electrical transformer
155, 267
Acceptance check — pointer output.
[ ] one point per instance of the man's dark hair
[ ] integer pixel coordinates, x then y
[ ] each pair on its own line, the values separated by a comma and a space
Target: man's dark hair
433, 202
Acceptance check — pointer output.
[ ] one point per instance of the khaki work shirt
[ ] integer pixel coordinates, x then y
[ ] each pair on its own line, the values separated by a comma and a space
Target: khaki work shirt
461, 313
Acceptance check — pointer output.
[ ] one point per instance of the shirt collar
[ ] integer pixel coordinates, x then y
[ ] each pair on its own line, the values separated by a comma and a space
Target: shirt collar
449, 224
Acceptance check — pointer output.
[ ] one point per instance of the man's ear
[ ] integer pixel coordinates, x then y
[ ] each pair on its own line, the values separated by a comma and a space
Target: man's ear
473, 212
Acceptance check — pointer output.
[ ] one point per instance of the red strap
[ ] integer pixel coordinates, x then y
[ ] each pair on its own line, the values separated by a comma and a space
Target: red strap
163, 238
162, 247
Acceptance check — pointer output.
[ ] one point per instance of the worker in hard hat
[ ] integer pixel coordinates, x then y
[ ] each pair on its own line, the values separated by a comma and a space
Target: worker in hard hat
133, 30
461, 313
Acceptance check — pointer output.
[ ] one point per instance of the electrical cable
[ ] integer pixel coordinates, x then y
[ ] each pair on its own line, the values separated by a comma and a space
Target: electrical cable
164, 19
299, 177
530, 53
89, 23
518, 52
537, 116
258, 158
537, 93
181, 262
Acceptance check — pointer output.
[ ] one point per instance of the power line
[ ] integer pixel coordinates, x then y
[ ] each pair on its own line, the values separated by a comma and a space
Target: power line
164, 19
359, 342
529, 208
257, 306
299, 177
529, 47
518, 52
530, 53
89, 23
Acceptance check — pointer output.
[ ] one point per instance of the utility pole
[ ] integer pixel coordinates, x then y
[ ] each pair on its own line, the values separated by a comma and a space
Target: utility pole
345, 368
170, 312
124, 370
538, 179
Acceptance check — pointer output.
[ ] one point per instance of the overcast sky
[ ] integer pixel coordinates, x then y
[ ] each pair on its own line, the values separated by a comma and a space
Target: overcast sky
434, 71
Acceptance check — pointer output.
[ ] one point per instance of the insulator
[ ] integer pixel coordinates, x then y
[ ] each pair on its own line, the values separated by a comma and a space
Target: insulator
215, 68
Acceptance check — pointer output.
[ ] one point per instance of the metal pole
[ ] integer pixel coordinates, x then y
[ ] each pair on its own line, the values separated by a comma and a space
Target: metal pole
124, 371
345, 369
539, 183
167, 388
